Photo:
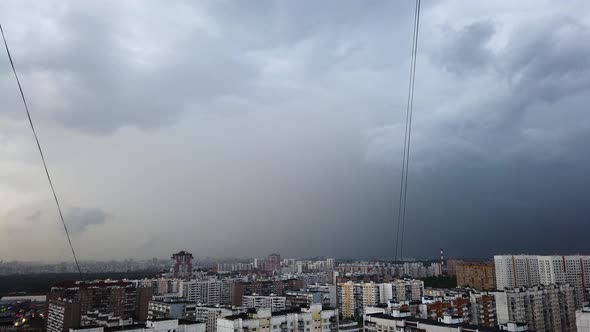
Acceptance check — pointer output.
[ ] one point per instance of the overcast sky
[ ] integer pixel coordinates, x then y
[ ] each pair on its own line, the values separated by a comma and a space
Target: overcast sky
240, 128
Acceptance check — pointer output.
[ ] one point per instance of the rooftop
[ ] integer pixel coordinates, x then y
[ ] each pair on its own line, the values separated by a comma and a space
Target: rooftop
125, 327
189, 322
435, 323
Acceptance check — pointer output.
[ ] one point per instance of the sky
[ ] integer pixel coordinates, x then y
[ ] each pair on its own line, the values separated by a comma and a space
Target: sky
240, 128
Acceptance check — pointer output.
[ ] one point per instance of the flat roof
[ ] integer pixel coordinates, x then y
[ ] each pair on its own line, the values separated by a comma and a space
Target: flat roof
434, 322
125, 327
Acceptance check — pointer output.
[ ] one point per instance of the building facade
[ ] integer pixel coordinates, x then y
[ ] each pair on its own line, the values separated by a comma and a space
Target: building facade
182, 265
402, 321
272, 263
274, 303
572, 270
98, 301
313, 319
62, 314
477, 275
583, 319
516, 271
543, 308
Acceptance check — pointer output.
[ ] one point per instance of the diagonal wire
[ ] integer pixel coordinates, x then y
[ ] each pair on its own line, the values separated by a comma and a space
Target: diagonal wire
407, 139
40, 152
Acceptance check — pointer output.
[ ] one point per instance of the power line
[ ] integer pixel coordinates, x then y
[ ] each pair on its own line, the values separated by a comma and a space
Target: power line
407, 139
40, 151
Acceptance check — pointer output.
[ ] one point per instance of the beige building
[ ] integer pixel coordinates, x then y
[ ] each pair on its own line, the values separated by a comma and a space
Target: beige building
478, 275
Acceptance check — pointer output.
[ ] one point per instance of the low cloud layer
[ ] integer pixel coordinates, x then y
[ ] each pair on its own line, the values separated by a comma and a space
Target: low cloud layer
233, 129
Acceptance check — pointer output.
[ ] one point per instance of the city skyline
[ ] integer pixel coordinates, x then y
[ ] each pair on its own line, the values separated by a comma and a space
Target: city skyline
229, 129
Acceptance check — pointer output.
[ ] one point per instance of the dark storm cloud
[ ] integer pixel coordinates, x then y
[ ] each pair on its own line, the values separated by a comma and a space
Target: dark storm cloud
79, 219
280, 126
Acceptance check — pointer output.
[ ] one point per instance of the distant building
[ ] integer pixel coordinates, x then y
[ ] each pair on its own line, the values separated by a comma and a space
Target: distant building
264, 287
273, 302
516, 271
452, 265
272, 263
330, 263
543, 308
478, 275
182, 265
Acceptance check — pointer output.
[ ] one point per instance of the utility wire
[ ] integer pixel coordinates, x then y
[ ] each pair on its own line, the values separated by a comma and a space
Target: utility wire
407, 139
41, 152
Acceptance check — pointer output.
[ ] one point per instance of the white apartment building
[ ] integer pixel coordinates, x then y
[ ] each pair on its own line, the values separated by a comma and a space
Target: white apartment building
516, 271
401, 290
583, 319
353, 297
209, 315
313, 319
528, 271
543, 308
572, 270
208, 292
274, 303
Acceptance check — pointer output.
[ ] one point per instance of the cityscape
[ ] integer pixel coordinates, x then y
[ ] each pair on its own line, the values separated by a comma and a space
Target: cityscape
277, 294
294, 166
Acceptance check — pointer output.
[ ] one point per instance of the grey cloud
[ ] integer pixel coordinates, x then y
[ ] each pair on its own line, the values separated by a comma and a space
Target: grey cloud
284, 120
466, 50
79, 219
34, 217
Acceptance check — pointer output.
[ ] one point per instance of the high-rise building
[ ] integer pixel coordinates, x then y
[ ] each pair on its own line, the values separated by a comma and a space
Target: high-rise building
572, 270
543, 308
62, 314
330, 263
274, 303
353, 298
478, 275
99, 300
516, 271
452, 265
182, 265
401, 290
273, 263
207, 292
483, 309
